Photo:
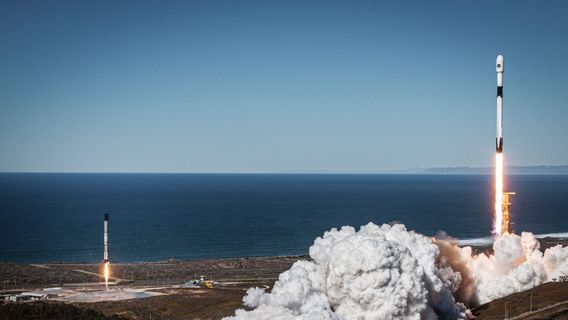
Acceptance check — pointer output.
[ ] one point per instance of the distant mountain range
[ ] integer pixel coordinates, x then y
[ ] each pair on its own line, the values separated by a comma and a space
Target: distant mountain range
512, 170
520, 170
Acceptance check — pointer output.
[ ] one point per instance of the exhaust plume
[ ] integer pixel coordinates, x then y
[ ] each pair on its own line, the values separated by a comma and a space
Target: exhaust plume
499, 227
516, 265
387, 272
378, 272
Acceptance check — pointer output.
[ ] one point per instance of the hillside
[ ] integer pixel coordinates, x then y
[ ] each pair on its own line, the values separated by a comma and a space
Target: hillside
549, 301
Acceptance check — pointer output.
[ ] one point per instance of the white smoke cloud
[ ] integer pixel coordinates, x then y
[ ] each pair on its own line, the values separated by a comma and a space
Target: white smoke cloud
516, 265
387, 272
377, 272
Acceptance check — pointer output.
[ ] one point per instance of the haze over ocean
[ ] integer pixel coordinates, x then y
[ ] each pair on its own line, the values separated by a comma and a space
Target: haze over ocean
58, 217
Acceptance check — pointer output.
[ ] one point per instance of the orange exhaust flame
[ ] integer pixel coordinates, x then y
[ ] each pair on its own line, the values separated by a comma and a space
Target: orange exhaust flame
106, 272
499, 227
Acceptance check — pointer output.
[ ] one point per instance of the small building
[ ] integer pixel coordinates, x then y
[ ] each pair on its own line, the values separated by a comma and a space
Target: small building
29, 296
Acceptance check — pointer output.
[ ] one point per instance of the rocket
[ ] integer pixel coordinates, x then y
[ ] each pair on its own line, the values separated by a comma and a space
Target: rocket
105, 238
500, 68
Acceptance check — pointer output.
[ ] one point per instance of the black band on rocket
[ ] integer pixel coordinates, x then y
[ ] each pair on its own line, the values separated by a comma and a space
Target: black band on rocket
499, 145
500, 91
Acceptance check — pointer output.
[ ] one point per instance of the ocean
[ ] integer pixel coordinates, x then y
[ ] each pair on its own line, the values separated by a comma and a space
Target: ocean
48, 217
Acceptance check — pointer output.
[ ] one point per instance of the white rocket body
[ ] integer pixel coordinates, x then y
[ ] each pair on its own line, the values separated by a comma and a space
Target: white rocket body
106, 239
500, 67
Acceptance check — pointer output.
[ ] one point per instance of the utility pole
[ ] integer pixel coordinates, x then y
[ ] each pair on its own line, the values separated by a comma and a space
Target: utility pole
531, 303
506, 312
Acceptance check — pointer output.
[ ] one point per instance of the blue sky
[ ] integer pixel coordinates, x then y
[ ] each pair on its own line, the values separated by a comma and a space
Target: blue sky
276, 86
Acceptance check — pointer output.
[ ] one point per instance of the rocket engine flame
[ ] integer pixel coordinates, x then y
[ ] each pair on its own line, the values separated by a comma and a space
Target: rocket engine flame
106, 274
499, 228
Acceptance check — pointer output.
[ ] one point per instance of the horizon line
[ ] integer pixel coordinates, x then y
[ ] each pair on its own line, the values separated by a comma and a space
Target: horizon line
409, 171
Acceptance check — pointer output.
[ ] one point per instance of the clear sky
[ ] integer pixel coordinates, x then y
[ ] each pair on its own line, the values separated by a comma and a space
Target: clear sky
276, 86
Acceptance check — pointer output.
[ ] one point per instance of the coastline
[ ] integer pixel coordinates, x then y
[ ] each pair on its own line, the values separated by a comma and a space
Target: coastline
22, 276
170, 299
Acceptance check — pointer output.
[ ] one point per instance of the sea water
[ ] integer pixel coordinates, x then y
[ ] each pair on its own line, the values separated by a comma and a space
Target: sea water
59, 217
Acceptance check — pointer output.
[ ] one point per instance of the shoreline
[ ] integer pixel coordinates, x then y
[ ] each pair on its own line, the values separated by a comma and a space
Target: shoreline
16, 276
546, 240
24, 276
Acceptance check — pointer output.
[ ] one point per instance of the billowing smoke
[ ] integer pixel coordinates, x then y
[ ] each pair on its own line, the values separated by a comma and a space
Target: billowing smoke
387, 272
516, 265
377, 272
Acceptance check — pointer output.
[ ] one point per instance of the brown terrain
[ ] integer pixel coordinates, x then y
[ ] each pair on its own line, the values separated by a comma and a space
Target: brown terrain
234, 276
213, 303
549, 301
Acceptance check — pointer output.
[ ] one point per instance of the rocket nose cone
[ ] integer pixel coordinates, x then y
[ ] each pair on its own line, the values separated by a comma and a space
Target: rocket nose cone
500, 63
